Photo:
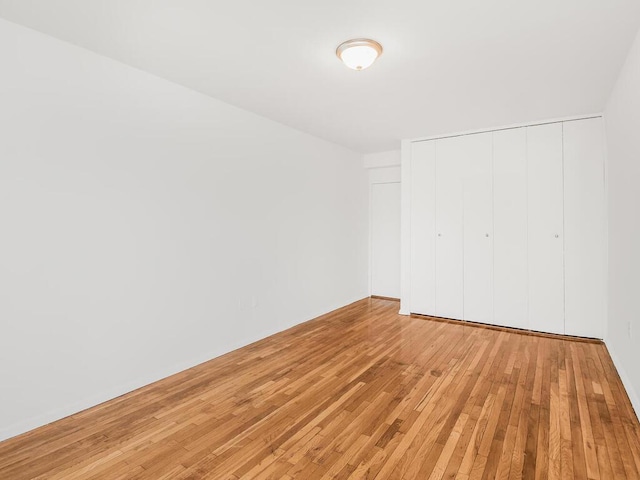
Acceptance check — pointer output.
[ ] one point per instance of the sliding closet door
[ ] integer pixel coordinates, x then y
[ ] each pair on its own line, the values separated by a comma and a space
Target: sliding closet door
478, 227
545, 226
423, 224
449, 227
510, 227
584, 228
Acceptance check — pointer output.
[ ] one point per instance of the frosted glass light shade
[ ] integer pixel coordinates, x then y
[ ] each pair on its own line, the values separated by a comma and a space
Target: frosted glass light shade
359, 53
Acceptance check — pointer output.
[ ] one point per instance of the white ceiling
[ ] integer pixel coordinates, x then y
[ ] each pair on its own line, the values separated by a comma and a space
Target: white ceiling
448, 65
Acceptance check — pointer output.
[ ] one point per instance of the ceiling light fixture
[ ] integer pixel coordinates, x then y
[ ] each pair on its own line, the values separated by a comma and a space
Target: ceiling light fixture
359, 53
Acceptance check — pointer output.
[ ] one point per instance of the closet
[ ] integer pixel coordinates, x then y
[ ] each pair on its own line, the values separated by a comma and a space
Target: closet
584, 228
507, 227
510, 228
449, 215
477, 232
545, 213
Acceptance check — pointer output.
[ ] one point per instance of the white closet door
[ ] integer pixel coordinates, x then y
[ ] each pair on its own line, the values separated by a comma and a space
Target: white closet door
478, 227
449, 227
584, 225
423, 224
545, 225
385, 241
510, 228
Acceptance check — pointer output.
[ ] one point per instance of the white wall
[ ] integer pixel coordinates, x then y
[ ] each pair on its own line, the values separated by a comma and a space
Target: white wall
146, 228
622, 120
382, 159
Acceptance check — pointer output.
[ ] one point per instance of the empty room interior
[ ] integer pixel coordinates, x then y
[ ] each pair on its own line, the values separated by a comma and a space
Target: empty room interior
355, 239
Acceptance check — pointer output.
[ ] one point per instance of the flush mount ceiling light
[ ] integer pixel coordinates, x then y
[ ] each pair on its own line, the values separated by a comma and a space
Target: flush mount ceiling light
359, 53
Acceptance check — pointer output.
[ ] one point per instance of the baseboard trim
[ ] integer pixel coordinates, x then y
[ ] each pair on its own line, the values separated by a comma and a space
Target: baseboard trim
520, 331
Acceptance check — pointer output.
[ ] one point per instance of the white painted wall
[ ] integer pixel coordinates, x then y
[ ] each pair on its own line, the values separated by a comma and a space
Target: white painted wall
146, 228
622, 120
382, 159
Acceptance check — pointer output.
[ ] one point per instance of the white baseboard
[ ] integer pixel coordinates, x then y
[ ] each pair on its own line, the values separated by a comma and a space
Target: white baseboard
626, 381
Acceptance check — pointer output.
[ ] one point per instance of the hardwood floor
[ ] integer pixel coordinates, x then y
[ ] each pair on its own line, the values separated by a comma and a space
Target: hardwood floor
359, 393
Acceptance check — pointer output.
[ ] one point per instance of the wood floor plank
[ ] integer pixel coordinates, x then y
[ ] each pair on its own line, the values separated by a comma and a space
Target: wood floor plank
359, 393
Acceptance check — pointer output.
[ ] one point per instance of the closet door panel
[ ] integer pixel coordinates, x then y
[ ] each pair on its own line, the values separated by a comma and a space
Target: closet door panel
510, 227
449, 228
584, 238
478, 227
545, 228
423, 224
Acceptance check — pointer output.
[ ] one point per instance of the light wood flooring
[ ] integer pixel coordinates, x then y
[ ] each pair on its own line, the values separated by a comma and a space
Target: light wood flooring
359, 393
